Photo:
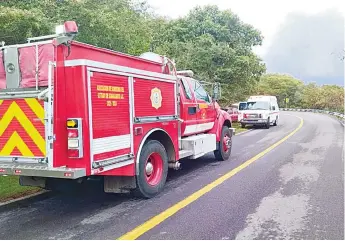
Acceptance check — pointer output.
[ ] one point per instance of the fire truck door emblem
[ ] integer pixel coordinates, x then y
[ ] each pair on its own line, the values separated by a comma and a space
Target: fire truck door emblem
203, 113
156, 98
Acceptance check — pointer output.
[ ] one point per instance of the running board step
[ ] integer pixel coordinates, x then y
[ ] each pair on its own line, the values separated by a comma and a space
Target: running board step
197, 145
185, 153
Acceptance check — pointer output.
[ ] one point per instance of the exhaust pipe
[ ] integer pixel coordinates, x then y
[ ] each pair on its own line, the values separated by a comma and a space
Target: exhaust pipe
175, 165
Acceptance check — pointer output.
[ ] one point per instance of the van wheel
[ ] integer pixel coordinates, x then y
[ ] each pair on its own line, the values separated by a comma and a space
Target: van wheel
243, 125
153, 170
276, 122
225, 145
268, 124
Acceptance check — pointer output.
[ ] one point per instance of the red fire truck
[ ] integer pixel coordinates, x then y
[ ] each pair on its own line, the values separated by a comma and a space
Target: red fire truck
70, 111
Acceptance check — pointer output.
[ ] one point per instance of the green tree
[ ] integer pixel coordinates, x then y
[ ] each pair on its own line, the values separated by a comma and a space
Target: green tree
217, 46
18, 24
283, 86
121, 25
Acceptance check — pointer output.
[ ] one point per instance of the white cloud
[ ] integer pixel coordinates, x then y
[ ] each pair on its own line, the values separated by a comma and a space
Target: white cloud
265, 15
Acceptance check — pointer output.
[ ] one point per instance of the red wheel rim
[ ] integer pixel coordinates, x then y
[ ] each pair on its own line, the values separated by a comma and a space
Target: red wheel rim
154, 169
226, 143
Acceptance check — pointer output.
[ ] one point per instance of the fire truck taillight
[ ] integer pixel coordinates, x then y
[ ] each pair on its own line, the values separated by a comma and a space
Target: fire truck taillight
73, 143
74, 138
72, 133
72, 123
73, 153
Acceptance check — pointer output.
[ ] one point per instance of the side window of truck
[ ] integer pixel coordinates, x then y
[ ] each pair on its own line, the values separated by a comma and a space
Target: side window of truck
200, 92
186, 88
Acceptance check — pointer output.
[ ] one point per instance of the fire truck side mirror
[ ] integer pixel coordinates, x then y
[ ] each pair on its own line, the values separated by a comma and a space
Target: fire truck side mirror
216, 95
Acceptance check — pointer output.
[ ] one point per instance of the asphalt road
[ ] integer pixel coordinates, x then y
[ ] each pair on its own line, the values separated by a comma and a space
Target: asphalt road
296, 191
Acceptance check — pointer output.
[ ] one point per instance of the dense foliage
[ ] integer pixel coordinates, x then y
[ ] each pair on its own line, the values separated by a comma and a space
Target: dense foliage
215, 44
300, 95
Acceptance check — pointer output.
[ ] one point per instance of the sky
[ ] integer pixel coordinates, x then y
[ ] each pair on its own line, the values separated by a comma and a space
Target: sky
277, 20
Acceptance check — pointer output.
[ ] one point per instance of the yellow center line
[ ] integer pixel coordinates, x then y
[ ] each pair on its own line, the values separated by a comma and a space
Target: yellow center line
154, 221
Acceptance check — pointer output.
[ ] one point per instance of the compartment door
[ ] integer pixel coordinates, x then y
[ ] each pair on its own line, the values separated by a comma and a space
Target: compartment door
110, 118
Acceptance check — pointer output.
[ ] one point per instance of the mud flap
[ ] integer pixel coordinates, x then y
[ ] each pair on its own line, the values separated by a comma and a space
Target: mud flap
32, 181
119, 184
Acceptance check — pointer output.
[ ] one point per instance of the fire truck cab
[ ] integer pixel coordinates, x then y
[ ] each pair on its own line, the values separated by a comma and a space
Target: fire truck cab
69, 111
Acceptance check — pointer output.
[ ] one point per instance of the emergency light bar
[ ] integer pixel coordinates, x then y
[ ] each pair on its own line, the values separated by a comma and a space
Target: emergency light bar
66, 31
68, 28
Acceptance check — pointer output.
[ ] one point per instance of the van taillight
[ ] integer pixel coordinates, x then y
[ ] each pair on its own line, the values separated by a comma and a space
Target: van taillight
244, 115
74, 138
260, 115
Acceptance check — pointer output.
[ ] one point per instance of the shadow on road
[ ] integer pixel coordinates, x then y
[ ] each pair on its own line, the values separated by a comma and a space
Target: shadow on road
90, 195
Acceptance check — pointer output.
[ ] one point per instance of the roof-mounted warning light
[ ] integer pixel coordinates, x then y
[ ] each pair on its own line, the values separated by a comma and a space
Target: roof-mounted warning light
69, 28
66, 32
63, 33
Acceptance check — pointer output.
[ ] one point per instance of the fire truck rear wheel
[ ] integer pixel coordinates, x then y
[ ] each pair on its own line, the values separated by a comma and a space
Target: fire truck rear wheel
153, 169
225, 145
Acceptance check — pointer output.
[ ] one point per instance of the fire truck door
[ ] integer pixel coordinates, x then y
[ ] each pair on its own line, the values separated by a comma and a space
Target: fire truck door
110, 102
188, 109
206, 113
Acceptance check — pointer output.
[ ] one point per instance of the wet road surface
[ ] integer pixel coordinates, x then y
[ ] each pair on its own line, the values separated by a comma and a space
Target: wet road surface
296, 191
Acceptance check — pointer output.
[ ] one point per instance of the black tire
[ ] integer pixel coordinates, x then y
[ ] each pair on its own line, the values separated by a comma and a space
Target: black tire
144, 188
221, 154
268, 124
243, 125
276, 122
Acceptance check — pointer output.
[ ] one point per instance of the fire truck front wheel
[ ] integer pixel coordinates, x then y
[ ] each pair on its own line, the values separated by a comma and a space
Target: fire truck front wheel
153, 169
225, 145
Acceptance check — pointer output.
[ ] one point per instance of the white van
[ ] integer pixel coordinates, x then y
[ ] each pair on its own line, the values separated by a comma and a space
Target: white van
260, 110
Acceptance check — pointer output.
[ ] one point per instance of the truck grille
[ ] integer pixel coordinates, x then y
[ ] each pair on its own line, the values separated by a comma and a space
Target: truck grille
252, 116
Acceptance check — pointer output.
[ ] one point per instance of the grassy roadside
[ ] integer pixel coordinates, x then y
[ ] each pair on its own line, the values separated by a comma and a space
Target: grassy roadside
238, 127
10, 189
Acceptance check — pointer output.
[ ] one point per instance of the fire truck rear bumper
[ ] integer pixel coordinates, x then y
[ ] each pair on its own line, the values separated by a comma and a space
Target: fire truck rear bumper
35, 170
